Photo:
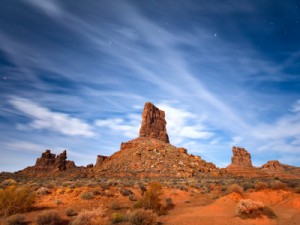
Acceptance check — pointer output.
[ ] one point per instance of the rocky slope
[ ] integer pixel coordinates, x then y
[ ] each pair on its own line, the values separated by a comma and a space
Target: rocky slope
151, 155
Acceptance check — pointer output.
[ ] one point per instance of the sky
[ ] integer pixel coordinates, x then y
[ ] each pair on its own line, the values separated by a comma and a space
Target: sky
75, 74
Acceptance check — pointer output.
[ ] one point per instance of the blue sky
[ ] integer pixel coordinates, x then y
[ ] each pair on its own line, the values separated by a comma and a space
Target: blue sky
75, 75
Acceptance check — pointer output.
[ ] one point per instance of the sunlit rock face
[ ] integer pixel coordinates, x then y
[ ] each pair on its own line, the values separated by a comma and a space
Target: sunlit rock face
241, 157
154, 123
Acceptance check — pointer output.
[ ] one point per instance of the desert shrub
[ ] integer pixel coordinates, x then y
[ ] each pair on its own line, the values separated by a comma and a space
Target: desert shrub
142, 188
58, 202
261, 185
126, 192
71, 212
277, 185
42, 191
249, 209
93, 217
92, 184
115, 205
16, 200
16, 220
96, 192
132, 197
108, 193
117, 217
151, 200
169, 203
142, 217
8, 182
248, 185
48, 218
50, 186
87, 196
235, 188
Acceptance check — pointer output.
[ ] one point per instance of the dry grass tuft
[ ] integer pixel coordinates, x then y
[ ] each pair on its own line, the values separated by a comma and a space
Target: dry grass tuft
278, 185
93, 217
15, 200
143, 217
249, 209
261, 185
49, 218
235, 188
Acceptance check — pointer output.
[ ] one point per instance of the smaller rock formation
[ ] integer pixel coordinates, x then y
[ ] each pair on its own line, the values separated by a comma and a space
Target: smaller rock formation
241, 164
61, 161
241, 157
100, 160
46, 159
277, 169
272, 166
49, 163
154, 123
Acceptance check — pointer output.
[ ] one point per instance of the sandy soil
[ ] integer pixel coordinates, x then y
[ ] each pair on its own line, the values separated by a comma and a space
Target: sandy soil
222, 211
191, 207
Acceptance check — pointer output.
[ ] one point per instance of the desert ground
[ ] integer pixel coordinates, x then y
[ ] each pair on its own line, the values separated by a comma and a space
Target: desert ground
165, 201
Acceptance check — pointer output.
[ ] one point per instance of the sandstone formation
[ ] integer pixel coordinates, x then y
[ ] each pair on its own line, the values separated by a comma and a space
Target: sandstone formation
272, 166
47, 159
154, 123
277, 169
241, 164
49, 163
241, 157
100, 160
150, 157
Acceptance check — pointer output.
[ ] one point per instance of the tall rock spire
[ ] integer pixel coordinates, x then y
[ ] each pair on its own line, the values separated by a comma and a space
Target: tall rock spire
154, 123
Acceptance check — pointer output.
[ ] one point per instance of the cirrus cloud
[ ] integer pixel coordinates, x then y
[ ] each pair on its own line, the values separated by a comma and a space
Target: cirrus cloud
44, 118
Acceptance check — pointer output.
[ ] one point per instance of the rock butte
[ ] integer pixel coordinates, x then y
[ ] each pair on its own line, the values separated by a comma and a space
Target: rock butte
152, 155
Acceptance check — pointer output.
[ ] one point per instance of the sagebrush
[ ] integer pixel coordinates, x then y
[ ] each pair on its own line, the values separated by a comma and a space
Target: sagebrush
16, 200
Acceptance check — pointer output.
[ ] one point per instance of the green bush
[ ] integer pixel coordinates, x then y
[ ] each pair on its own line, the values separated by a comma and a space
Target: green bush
16, 200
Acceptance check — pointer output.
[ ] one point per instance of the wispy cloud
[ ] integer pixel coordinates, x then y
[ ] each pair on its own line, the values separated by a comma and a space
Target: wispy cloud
52, 7
43, 118
128, 128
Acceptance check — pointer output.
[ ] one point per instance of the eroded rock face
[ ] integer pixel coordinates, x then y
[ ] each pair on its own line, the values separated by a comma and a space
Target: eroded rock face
49, 159
241, 157
100, 160
274, 166
154, 123
61, 161
46, 159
